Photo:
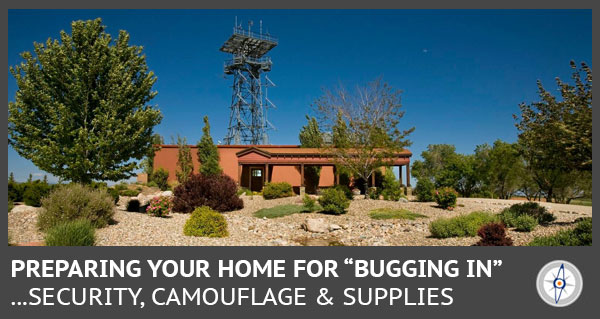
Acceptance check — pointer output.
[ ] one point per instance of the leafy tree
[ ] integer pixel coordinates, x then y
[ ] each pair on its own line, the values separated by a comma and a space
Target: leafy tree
468, 181
528, 186
310, 134
373, 114
503, 168
436, 159
311, 137
576, 184
148, 162
340, 132
340, 139
185, 167
208, 154
11, 177
556, 135
81, 110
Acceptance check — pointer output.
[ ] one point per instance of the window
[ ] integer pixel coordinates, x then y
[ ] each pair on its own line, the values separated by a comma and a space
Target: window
256, 173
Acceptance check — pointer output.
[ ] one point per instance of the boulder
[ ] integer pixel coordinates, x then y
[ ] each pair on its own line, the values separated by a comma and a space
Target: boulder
143, 199
24, 209
166, 193
315, 225
403, 200
123, 201
334, 227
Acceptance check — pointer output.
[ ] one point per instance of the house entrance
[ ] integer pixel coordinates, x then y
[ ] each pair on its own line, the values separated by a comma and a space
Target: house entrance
256, 179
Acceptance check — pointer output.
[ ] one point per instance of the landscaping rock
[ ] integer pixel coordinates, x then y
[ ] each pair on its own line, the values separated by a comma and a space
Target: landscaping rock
123, 201
334, 227
24, 209
403, 200
167, 194
357, 227
143, 199
315, 225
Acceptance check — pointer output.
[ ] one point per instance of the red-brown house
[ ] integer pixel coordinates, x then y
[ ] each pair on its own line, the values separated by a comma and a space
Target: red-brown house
251, 166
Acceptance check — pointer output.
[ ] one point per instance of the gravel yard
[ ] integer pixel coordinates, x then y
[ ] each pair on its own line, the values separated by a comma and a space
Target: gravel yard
356, 228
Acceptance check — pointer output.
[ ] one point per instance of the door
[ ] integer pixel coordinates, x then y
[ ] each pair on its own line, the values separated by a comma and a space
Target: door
256, 179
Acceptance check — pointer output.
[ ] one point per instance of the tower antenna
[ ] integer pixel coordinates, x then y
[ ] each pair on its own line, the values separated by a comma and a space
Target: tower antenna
248, 122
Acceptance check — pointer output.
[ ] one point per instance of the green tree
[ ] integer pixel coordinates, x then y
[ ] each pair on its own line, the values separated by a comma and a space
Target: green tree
311, 137
340, 132
208, 154
11, 177
310, 134
436, 159
148, 162
80, 111
576, 184
503, 168
185, 167
443, 167
340, 139
555, 136
373, 113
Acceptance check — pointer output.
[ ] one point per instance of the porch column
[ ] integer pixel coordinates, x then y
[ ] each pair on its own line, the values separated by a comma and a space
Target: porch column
373, 179
337, 175
400, 173
408, 175
250, 178
266, 173
239, 181
301, 175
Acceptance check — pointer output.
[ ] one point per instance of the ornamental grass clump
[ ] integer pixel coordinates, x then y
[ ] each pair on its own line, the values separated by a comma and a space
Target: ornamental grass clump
78, 232
445, 197
205, 222
75, 201
160, 206
460, 226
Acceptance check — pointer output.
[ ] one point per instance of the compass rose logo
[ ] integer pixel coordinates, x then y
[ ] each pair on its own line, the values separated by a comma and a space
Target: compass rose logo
559, 283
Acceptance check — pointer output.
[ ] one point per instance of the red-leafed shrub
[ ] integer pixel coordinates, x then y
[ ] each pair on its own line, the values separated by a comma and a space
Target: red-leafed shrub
493, 234
218, 192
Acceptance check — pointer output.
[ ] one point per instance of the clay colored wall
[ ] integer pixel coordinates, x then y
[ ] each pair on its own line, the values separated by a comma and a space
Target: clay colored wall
166, 158
327, 178
290, 174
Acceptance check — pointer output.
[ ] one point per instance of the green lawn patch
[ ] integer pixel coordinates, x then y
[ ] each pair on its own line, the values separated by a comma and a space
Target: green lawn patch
281, 210
582, 202
389, 213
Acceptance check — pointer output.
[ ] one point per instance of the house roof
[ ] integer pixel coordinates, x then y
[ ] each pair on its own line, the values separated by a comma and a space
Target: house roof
279, 149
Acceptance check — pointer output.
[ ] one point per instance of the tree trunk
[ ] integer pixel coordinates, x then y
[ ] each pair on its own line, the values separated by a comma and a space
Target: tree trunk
366, 189
549, 196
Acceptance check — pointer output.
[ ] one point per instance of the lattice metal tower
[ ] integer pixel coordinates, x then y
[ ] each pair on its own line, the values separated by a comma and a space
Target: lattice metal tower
248, 122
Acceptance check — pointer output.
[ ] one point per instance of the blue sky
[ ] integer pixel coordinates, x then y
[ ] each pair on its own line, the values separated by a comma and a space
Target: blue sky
463, 73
